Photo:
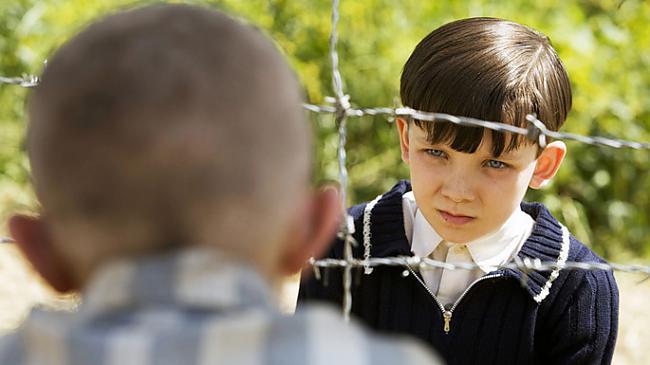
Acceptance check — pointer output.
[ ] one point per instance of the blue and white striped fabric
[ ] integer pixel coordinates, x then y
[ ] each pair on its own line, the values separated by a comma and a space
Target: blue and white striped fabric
193, 307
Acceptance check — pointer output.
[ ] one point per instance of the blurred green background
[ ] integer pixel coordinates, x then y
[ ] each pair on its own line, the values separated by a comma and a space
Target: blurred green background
601, 194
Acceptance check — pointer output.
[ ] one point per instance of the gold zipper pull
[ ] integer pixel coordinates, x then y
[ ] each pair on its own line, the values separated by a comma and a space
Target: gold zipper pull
447, 317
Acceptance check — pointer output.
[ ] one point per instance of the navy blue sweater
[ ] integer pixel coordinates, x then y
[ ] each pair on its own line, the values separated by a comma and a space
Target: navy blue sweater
570, 317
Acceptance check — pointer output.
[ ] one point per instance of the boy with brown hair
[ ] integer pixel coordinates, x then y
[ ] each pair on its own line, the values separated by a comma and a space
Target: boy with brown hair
464, 205
170, 153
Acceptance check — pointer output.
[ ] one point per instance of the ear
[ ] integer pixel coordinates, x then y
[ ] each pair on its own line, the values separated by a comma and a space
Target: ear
403, 130
548, 163
319, 225
35, 242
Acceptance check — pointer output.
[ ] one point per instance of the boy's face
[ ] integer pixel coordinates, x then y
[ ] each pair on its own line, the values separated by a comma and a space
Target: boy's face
465, 196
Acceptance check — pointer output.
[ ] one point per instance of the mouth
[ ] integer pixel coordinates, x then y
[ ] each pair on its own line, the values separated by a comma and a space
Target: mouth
455, 219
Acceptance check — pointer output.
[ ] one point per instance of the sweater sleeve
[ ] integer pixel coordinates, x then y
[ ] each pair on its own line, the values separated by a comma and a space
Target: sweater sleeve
583, 325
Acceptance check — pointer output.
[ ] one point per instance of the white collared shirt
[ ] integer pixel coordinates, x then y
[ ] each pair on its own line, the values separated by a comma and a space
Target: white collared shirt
488, 252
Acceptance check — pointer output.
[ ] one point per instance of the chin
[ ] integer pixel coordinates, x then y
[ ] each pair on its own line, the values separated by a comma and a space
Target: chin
452, 235
456, 238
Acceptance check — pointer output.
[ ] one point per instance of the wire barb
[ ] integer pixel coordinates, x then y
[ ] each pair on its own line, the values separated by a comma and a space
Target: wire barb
536, 130
24, 81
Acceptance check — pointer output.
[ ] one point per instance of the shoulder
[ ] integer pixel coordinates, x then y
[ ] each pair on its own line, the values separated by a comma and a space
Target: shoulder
390, 200
551, 235
596, 286
598, 283
11, 349
549, 232
580, 315
551, 241
336, 342
379, 224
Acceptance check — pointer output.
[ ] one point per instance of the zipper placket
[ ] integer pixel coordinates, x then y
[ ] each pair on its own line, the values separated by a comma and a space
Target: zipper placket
448, 314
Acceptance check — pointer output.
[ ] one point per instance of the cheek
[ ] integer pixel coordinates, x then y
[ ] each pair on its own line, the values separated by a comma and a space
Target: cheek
506, 192
416, 166
425, 178
425, 173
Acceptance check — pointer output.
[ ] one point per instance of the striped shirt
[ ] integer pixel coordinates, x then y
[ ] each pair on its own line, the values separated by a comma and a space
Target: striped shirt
193, 307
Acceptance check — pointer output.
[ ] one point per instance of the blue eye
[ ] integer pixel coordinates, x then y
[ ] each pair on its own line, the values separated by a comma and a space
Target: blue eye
435, 153
494, 164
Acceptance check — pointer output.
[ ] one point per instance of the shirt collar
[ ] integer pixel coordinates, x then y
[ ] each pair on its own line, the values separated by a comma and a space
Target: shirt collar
497, 248
198, 278
487, 252
425, 239
420, 234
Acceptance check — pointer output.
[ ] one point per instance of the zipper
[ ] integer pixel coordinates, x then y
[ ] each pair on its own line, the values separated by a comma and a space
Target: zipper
447, 314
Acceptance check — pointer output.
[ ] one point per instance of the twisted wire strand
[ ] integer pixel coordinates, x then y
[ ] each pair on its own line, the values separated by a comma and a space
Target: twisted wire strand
536, 130
341, 105
24, 81
523, 265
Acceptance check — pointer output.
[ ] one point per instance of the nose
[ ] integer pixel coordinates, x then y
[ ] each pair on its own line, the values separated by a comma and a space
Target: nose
457, 187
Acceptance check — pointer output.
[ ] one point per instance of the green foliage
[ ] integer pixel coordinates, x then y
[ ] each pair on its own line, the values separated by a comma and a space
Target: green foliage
600, 193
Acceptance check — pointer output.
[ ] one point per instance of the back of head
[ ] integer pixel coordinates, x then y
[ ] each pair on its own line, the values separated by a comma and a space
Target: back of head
488, 69
164, 126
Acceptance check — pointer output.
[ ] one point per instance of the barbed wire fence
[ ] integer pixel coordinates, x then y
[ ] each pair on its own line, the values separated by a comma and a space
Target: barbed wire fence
340, 106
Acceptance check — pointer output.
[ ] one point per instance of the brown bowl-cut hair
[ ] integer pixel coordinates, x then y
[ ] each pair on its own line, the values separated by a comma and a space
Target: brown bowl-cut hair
490, 69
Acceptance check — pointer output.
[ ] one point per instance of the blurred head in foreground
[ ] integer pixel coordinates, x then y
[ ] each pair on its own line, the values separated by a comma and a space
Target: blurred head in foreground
164, 127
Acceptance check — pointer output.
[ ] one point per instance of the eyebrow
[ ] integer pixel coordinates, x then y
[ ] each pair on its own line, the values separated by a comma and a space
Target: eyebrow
505, 155
510, 155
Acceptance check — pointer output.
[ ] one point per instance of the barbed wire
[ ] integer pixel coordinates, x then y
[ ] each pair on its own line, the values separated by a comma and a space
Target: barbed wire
24, 81
536, 130
340, 106
524, 265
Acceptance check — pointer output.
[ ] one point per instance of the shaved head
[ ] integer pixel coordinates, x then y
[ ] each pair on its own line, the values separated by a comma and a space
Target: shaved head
164, 126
